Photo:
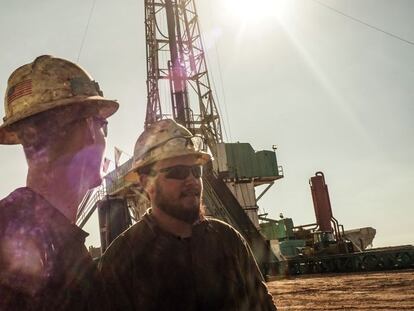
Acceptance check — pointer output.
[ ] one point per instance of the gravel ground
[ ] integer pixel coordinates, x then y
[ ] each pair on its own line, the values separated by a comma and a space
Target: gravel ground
369, 291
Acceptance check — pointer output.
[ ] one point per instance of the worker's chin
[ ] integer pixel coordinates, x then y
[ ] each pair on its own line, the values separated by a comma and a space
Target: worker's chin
96, 182
84, 168
91, 177
188, 213
86, 179
190, 202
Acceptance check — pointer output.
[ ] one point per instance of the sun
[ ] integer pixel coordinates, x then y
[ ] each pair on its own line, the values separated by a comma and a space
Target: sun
256, 10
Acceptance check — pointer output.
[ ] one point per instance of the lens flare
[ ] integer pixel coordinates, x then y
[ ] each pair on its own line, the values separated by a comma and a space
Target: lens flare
248, 10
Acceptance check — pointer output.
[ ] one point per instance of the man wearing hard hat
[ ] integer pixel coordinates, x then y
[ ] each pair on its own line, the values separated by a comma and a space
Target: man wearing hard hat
58, 114
175, 258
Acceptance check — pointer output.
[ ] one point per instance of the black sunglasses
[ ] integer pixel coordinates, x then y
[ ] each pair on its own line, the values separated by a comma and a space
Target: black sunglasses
181, 172
94, 121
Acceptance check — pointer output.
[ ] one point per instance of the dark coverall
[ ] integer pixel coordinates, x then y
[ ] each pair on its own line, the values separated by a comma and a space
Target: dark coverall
147, 268
44, 264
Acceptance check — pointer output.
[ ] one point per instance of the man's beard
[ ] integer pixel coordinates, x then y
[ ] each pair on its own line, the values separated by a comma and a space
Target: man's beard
175, 209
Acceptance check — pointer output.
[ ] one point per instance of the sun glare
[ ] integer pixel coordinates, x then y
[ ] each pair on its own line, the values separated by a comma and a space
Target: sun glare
255, 10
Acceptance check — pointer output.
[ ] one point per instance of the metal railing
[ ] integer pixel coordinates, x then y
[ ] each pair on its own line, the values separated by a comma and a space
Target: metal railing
88, 205
114, 180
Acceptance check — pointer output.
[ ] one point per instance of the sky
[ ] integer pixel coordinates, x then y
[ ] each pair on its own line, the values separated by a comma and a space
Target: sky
334, 93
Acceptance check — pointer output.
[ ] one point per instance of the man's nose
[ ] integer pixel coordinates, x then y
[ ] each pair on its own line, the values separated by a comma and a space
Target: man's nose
192, 179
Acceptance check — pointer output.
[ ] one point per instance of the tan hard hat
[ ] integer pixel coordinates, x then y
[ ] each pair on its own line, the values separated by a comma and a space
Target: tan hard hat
48, 83
162, 140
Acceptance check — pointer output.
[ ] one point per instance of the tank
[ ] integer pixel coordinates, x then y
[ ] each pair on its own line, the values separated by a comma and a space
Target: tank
321, 202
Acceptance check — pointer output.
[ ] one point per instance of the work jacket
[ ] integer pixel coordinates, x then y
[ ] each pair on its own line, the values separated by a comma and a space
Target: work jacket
147, 268
44, 264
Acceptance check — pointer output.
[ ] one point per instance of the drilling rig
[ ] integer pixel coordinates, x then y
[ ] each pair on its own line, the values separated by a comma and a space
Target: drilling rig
176, 61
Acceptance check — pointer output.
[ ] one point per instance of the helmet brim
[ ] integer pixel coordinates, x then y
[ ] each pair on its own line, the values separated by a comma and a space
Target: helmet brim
92, 105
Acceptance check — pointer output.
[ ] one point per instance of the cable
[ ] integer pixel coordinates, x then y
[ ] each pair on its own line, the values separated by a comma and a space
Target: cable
364, 23
223, 91
225, 118
216, 95
86, 30
159, 29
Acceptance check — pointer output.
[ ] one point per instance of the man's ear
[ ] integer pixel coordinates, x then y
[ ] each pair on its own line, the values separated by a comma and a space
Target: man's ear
146, 182
143, 180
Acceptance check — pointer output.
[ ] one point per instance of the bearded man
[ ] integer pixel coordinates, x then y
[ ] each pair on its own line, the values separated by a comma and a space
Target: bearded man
175, 258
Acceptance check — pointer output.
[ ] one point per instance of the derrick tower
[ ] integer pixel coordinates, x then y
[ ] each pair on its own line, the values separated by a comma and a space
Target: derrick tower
176, 60
178, 87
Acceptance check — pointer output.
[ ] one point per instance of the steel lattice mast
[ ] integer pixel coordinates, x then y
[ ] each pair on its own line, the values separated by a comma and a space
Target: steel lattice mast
175, 57
176, 61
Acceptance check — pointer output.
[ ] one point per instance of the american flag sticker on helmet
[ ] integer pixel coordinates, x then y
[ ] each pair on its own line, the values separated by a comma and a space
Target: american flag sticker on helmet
22, 88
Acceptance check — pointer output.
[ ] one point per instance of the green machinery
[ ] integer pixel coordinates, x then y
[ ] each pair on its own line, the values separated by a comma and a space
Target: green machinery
324, 247
281, 236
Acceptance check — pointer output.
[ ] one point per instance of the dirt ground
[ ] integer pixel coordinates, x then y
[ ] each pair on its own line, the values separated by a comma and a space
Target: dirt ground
369, 291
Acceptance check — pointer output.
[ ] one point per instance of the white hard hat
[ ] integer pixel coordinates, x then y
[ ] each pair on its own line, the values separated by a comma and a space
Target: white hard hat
162, 140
